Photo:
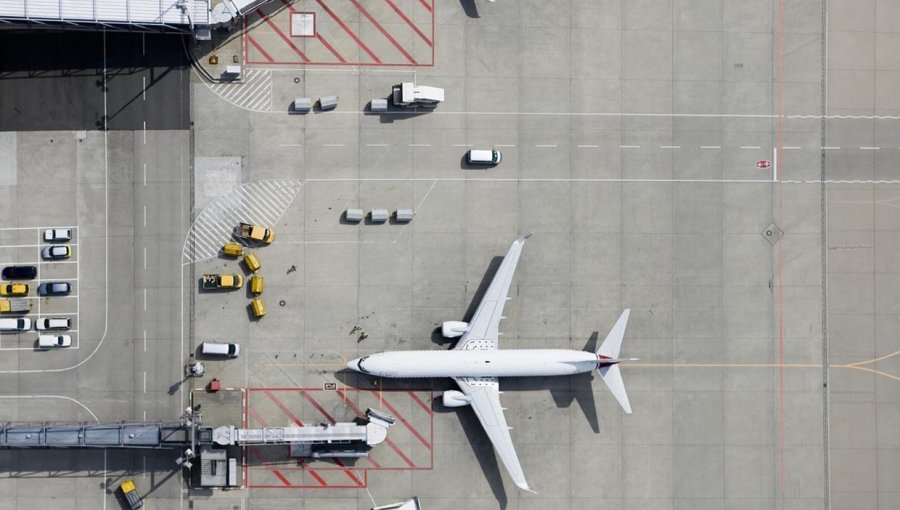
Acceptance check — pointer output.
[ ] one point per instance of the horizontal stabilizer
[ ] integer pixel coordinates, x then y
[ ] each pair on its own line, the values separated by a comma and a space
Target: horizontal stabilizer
613, 342
612, 376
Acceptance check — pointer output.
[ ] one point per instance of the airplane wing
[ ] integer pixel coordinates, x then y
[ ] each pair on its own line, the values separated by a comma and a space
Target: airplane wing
484, 328
484, 394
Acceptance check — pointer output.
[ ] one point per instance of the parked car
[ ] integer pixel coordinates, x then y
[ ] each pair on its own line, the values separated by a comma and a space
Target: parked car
46, 323
53, 341
54, 289
56, 235
56, 252
225, 349
19, 272
14, 289
18, 324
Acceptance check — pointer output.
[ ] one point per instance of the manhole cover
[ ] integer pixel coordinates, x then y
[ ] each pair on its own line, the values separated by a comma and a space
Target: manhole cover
772, 233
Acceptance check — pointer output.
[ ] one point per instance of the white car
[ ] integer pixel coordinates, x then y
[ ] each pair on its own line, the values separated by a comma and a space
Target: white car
56, 252
53, 323
52, 235
18, 324
54, 341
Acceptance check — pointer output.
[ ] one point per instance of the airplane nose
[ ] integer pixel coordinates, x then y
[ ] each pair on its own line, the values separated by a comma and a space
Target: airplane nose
353, 365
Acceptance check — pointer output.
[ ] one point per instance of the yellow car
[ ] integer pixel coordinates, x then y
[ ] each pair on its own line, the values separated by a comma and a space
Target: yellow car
14, 289
252, 262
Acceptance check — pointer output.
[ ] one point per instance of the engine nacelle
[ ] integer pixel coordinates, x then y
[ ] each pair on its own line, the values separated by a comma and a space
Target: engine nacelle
454, 329
452, 398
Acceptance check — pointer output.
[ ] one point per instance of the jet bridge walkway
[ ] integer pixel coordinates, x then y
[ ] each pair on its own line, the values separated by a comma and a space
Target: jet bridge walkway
112, 435
190, 16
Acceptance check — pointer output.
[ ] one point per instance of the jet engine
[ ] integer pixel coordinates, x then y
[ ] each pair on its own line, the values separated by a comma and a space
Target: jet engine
454, 329
454, 398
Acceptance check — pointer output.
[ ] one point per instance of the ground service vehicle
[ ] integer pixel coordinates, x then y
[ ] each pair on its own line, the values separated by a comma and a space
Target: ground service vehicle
54, 235
229, 350
258, 307
484, 157
19, 272
233, 250
54, 341
14, 289
14, 305
410, 95
252, 262
254, 233
222, 281
131, 495
256, 284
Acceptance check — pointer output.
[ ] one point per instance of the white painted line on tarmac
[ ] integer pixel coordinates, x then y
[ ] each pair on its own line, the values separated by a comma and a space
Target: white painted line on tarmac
144, 89
710, 146
462, 145
145, 174
32, 246
587, 146
290, 145
629, 146
376, 145
333, 145
792, 148
546, 145
505, 145
420, 145
145, 299
774, 164
145, 132
145, 216
829, 148
145, 381
145, 258
145, 340
869, 148
750, 147
669, 146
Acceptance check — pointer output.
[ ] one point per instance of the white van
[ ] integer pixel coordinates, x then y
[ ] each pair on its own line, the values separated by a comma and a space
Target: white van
54, 341
484, 157
19, 324
220, 349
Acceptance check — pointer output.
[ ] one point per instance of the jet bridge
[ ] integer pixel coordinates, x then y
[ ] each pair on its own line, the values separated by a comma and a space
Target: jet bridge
111, 435
353, 439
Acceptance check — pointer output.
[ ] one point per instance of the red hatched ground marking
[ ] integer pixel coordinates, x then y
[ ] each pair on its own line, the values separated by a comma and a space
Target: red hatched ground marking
408, 446
347, 32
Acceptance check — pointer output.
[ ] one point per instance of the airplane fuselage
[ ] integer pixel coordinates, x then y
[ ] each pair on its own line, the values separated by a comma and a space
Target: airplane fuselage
478, 363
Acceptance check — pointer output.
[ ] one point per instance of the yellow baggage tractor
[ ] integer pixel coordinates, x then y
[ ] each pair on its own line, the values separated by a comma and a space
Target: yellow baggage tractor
131, 495
233, 249
252, 262
256, 284
258, 307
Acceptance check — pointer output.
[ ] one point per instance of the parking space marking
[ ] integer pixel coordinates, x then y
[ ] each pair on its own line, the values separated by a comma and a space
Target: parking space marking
41, 264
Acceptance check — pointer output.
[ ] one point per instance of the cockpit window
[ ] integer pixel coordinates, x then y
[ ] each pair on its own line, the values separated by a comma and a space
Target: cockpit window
359, 364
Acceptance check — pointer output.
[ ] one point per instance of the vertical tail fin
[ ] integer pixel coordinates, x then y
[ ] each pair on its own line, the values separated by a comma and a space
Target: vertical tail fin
611, 374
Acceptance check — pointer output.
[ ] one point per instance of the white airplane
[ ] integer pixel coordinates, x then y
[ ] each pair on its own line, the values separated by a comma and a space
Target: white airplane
476, 364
